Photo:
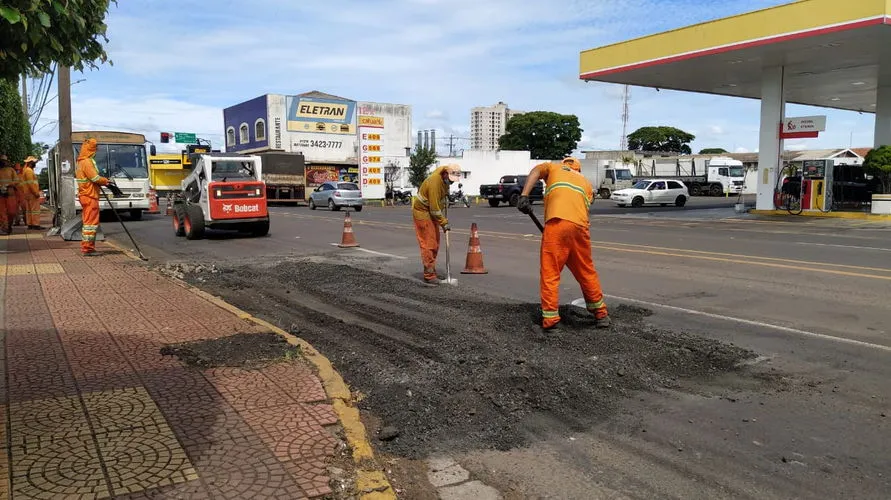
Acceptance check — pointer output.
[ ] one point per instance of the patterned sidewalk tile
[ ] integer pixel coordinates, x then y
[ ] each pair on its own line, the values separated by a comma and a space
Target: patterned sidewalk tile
63, 469
298, 380
248, 389
139, 459
122, 409
40, 422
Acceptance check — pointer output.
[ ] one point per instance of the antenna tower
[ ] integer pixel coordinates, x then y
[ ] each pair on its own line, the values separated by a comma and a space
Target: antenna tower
626, 96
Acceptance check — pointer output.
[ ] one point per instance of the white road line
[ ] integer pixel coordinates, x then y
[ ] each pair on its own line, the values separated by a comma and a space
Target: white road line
843, 246
754, 323
382, 254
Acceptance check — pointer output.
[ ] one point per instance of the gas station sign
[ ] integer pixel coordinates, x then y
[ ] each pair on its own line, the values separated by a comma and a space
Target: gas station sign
803, 127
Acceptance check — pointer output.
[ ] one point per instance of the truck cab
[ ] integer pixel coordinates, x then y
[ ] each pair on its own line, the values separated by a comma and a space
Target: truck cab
729, 173
614, 178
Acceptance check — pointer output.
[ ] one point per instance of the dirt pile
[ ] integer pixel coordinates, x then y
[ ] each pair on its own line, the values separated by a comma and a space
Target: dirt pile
451, 369
242, 350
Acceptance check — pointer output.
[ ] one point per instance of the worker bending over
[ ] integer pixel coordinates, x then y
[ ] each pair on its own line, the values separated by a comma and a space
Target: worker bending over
88, 182
567, 239
429, 216
30, 188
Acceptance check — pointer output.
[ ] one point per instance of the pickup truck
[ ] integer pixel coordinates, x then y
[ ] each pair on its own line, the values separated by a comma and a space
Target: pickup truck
508, 190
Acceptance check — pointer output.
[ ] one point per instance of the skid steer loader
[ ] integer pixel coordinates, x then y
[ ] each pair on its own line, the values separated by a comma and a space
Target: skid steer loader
223, 191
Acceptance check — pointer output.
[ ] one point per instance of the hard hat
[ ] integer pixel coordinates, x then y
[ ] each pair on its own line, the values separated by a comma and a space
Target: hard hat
572, 163
454, 172
30, 159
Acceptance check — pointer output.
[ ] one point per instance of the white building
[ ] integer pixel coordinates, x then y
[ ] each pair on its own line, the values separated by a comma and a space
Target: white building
487, 125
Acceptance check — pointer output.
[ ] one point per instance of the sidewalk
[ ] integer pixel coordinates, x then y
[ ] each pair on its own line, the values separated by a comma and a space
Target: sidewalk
91, 408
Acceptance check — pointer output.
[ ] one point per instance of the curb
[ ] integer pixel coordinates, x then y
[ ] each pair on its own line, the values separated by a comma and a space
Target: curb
825, 215
371, 483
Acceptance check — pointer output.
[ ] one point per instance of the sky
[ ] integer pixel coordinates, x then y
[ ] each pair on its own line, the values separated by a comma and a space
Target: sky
178, 63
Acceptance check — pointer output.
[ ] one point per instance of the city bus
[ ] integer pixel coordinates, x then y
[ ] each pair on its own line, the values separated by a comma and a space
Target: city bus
120, 156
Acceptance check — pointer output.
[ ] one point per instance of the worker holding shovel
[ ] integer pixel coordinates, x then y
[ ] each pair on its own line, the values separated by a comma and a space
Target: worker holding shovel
88, 182
566, 238
428, 214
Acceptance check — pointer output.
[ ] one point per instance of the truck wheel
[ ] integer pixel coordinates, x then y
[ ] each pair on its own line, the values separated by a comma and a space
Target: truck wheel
604, 193
494, 203
178, 221
312, 204
135, 214
695, 190
637, 202
680, 201
260, 229
514, 199
716, 190
193, 223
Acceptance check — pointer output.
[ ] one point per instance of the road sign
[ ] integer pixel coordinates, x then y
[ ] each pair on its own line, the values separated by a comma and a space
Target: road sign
185, 137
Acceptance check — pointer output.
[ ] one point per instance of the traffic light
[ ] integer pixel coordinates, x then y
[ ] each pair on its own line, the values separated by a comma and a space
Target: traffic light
165, 137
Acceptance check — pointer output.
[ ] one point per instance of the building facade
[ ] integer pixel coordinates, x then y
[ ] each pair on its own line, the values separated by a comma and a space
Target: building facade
487, 125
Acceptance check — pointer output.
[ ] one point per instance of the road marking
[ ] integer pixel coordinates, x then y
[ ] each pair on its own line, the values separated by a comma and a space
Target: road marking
786, 329
842, 246
374, 252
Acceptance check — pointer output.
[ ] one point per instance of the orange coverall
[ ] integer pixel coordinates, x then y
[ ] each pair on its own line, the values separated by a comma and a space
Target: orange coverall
8, 203
88, 182
427, 212
30, 189
567, 240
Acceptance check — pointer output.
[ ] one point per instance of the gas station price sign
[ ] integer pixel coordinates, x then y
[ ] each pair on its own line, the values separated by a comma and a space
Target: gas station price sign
371, 171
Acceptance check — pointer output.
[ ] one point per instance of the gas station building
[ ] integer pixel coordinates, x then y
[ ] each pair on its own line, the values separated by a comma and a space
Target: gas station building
827, 53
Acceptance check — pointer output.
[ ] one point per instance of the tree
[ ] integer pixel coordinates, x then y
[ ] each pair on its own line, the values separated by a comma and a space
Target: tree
36, 34
39, 149
713, 151
664, 139
15, 133
419, 165
545, 134
878, 164
43, 178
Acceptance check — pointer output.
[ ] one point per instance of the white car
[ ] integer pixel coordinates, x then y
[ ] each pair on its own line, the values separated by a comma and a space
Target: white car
662, 192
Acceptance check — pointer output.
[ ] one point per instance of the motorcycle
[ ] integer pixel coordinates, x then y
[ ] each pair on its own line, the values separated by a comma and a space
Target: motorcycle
401, 197
458, 196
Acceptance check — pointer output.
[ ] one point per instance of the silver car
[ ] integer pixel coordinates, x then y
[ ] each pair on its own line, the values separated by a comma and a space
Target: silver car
336, 195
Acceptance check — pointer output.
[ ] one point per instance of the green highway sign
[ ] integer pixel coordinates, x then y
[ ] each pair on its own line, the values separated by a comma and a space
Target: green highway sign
185, 137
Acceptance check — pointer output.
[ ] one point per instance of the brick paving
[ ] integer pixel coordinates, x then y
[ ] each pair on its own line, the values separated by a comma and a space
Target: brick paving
92, 410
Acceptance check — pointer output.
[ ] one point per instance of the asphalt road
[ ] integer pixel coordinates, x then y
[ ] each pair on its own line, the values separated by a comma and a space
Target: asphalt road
809, 296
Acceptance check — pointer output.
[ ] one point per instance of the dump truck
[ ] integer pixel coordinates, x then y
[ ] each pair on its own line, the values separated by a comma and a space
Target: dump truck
284, 175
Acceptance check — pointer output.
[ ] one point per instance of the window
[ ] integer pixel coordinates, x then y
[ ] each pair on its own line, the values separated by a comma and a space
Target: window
724, 171
348, 186
674, 185
230, 136
120, 161
260, 130
244, 134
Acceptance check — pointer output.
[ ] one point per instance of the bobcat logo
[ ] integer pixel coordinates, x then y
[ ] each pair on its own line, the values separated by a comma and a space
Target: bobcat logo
227, 208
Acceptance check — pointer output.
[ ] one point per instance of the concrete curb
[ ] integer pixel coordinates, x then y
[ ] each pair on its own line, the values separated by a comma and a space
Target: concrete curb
371, 481
826, 215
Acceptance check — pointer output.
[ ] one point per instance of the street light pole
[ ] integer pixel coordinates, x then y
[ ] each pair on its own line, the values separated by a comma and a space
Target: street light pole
66, 149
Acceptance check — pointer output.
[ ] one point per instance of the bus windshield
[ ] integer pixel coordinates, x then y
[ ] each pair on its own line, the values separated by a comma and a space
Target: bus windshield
121, 161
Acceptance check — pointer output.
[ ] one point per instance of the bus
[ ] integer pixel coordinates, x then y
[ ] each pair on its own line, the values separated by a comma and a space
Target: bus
120, 156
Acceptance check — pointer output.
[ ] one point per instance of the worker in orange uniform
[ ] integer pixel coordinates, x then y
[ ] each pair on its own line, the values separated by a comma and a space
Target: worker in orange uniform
8, 202
30, 189
88, 182
567, 239
429, 216
21, 210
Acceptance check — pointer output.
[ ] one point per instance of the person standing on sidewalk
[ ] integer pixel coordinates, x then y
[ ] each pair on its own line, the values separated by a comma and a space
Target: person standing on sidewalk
88, 182
566, 240
427, 212
8, 204
30, 188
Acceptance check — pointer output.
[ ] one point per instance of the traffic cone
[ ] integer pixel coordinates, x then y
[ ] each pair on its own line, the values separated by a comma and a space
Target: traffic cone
153, 203
474, 263
348, 240
170, 210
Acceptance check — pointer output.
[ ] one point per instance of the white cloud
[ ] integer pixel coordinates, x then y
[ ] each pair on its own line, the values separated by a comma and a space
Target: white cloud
741, 150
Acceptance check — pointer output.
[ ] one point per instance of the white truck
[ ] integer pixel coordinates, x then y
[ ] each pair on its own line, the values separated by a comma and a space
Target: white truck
607, 176
703, 176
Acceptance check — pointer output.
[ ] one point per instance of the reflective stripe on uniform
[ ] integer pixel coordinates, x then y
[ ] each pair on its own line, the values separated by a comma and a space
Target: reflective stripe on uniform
550, 314
95, 179
594, 305
566, 185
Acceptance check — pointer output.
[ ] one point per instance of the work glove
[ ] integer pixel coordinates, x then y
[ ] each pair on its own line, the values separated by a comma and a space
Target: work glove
524, 205
446, 228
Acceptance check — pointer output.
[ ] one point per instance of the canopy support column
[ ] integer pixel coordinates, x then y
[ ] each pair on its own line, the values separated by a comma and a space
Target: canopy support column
770, 146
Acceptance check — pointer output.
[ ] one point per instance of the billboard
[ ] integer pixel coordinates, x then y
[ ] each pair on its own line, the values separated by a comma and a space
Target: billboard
371, 166
320, 115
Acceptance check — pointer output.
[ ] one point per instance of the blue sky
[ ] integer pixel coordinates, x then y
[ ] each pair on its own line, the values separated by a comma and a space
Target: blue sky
178, 63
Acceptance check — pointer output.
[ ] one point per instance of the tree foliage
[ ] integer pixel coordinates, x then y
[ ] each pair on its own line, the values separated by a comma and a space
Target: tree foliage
545, 134
664, 139
15, 132
39, 149
36, 33
419, 165
713, 151
878, 164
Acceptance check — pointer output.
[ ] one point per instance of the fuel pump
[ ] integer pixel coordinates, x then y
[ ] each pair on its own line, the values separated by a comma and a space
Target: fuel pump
816, 185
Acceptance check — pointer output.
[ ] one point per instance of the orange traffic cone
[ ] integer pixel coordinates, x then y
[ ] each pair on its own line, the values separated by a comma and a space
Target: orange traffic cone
153, 203
348, 240
474, 264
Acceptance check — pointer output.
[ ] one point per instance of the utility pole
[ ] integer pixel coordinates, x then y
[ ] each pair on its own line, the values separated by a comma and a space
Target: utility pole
451, 145
66, 149
25, 97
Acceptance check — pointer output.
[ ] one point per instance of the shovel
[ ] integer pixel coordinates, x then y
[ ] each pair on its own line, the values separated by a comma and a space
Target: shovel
117, 192
449, 279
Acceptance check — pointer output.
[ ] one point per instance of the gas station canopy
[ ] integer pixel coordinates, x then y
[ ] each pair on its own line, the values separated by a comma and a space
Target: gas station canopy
832, 53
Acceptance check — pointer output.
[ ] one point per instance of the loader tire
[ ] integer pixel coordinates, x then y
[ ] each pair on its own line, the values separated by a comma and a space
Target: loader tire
193, 222
178, 228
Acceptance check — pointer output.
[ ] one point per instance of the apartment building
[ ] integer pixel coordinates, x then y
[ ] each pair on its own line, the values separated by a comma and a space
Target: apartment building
487, 125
